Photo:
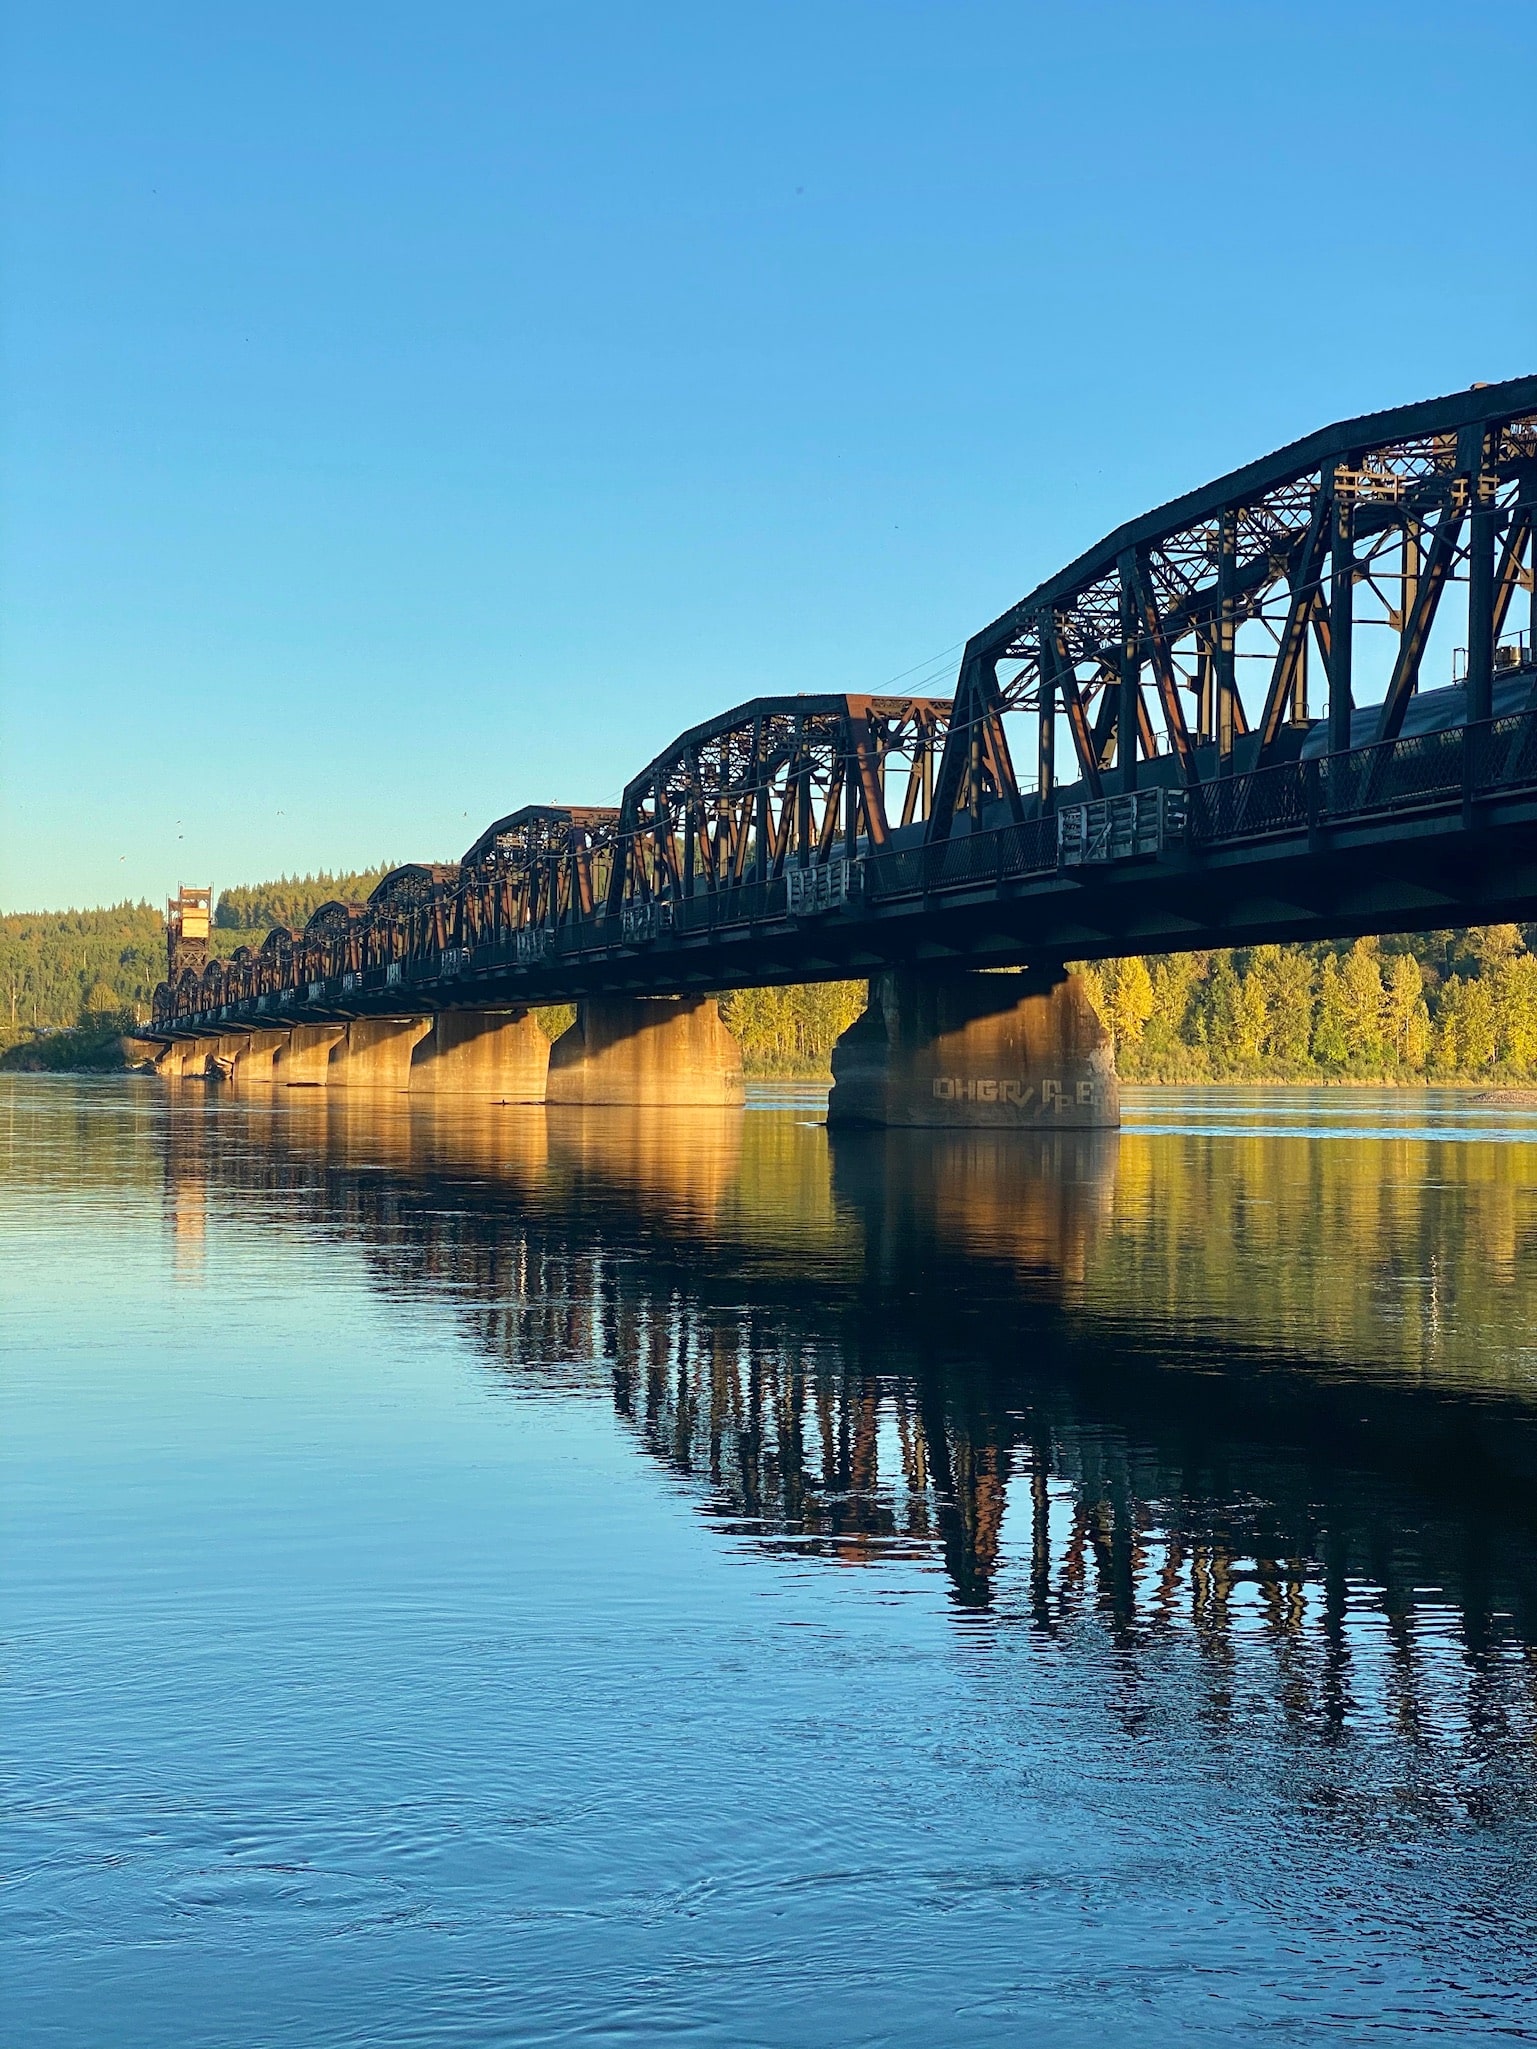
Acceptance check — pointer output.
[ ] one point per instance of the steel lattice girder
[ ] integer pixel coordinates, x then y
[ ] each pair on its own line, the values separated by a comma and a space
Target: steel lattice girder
1260, 544
779, 781
537, 866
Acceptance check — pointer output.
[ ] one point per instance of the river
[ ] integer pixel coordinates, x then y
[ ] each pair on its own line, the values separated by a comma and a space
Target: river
480, 1575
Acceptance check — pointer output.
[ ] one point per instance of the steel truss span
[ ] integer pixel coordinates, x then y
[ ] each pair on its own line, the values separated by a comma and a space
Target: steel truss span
1300, 702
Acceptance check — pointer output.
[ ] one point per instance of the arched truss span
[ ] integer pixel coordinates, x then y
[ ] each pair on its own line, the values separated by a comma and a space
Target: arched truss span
539, 867
536, 830
240, 975
332, 921
410, 910
265, 972
332, 942
1278, 567
776, 783
407, 888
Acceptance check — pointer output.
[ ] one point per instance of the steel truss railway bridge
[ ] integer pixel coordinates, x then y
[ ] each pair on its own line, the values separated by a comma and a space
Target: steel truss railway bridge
1262, 712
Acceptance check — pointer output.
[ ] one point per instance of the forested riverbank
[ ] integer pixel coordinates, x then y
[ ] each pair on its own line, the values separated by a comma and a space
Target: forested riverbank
1443, 1007
1446, 1006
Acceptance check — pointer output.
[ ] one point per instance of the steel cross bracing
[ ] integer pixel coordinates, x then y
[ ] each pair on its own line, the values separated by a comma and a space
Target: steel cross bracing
1272, 565
1270, 785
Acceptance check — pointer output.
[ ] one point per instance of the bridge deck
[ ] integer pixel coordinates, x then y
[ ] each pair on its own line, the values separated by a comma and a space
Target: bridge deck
1416, 834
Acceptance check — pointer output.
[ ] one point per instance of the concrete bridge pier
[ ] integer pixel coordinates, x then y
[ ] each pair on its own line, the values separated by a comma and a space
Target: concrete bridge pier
172, 1059
255, 1056
494, 1055
968, 1050
219, 1056
187, 1059
303, 1060
375, 1053
669, 1051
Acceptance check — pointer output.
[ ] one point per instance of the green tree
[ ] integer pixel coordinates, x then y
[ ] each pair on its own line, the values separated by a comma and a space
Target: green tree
1215, 1008
1128, 1000
1168, 1049
294, 900
1407, 1020
1251, 1021
1476, 1035
1364, 1006
1286, 974
1331, 1018
1446, 1029
1515, 1005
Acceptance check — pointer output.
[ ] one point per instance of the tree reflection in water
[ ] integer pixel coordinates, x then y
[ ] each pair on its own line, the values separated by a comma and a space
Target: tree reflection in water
1074, 1368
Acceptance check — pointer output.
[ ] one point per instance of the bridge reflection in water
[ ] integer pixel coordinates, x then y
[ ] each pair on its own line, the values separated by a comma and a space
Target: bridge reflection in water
1135, 1392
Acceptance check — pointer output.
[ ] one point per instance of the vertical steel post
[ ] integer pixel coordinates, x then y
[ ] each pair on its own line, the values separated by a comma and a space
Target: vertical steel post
1131, 680
760, 807
1481, 524
1297, 710
1224, 658
1046, 715
974, 747
1205, 723
1341, 612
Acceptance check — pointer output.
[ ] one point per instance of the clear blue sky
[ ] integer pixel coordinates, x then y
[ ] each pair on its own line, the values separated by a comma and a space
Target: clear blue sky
415, 411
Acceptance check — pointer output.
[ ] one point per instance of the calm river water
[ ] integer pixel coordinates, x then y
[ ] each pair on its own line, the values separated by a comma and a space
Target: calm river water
488, 1576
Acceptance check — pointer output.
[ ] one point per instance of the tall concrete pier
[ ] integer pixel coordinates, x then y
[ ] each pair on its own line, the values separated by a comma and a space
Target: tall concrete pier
375, 1053
304, 1058
998, 1051
497, 1055
669, 1051
256, 1058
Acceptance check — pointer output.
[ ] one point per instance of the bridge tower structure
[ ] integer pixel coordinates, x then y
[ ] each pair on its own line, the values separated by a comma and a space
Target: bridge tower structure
188, 922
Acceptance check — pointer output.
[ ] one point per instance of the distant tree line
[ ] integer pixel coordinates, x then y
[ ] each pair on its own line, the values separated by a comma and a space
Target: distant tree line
294, 900
1453, 1006
791, 1031
58, 967
1445, 1006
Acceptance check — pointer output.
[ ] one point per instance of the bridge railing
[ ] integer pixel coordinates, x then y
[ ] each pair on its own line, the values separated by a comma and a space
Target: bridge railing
1505, 752
1395, 775
1249, 806
1002, 856
1425, 769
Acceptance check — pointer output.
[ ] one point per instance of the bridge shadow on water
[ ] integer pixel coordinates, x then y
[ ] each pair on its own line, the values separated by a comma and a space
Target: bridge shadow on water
1260, 1403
